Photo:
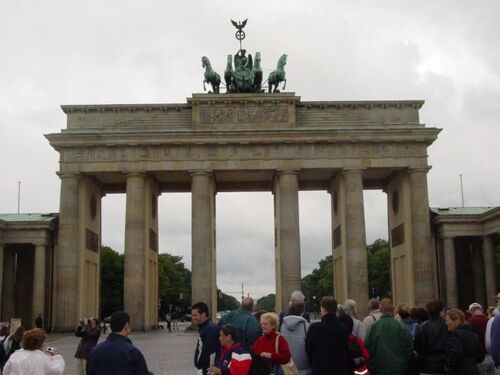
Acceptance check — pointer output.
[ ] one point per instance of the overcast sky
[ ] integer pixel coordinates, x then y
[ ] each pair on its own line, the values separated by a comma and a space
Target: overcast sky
100, 52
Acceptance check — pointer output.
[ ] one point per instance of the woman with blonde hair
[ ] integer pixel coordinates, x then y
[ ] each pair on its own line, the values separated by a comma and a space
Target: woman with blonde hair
463, 350
265, 346
31, 360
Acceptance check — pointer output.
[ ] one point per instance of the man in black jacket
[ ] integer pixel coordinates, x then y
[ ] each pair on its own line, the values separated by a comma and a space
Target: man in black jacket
117, 355
208, 343
327, 342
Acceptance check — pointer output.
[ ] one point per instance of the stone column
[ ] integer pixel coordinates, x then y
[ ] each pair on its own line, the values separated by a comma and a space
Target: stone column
424, 271
203, 279
450, 272
288, 273
67, 289
489, 267
478, 269
9, 285
357, 261
135, 237
39, 282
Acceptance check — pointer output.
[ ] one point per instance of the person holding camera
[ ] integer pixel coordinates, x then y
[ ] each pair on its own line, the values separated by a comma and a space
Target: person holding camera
89, 332
31, 360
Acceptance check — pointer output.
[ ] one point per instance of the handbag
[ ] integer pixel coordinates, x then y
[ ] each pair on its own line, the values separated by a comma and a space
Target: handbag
288, 368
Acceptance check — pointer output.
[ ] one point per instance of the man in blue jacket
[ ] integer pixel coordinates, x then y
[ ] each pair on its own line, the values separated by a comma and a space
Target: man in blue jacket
208, 344
117, 355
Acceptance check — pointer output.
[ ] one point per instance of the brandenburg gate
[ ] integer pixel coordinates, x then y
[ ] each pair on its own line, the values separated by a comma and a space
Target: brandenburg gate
240, 142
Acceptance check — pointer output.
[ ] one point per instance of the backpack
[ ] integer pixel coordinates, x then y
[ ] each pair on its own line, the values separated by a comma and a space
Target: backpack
356, 362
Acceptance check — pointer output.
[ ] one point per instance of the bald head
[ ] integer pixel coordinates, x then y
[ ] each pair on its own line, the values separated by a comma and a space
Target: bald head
247, 304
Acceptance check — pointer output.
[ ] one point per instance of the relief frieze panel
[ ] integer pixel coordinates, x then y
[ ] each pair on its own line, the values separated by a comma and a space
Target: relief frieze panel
243, 115
247, 151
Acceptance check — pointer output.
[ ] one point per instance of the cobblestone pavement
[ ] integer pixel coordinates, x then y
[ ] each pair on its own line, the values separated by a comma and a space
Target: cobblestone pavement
166, 353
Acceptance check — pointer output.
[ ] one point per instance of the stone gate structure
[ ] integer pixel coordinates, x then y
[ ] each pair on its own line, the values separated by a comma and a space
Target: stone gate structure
240, 142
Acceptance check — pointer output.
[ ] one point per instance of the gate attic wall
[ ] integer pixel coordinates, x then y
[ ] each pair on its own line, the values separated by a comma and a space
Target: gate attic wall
252, 142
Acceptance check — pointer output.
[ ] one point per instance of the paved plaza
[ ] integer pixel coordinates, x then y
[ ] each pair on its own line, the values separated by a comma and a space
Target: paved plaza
167, 353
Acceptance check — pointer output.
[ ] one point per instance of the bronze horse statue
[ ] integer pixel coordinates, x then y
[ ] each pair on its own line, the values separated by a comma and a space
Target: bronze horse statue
278, 75
210, 75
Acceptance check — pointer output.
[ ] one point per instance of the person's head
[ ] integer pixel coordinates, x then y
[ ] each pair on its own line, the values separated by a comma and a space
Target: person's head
119, 322
247, 304
18, 334
420, 315
454, 318
296, 309
404, 312
475, 309
497, 300
386, 307
349, 307
297, 297
328, 305
34, 339
4, 331
435, 308
258, 314
199, 313
373, 304
228, 335
347, 320
93, 322
489, 312
269, 322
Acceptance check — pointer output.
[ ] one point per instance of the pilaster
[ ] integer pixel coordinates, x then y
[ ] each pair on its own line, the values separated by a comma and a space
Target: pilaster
489, 267
39, 278
450, 272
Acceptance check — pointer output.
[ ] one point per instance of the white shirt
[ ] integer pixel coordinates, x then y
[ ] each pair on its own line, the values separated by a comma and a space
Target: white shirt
33, 362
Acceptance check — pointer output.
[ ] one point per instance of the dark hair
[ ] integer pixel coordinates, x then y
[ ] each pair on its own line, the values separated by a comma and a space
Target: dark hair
33, 339
347, 320
386, 306
329, 304
404, 311
434, 308
229, 330
258, 314
4, 331
296, 309
117, 320
202, 307
18, 334
421, 315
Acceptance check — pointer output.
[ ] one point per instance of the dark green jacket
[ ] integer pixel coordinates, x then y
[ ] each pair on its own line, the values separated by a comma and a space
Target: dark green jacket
390, 345
247, 327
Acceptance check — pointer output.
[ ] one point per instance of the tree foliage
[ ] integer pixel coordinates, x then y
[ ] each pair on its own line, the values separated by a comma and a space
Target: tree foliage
267, 303
174, 283
226, 302
111, 281
319, 282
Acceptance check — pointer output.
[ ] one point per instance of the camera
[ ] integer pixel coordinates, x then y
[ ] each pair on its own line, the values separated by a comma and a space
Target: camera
51, 349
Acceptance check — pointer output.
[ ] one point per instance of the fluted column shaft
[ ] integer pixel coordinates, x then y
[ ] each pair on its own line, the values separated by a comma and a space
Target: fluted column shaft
203, 240
39, 282
424, 272
489, 267
357, 261
450, 272
135, 235
478, 270
67, 291
288, 271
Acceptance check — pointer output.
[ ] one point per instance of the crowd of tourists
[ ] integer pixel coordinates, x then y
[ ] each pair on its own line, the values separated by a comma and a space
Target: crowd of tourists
388, 340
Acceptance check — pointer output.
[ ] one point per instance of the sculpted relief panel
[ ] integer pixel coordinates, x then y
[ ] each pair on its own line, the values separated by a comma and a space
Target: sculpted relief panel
243, 115
257, 151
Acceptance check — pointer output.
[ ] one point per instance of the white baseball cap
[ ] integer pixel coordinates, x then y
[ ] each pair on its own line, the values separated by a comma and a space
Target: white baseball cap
474, 306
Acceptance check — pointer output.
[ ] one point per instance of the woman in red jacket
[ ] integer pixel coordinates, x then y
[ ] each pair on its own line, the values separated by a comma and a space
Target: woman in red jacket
265, 345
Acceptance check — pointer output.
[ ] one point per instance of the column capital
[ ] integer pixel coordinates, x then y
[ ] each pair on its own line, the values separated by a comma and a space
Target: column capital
446, 236
281, 172
354, 170
201, 172
63, 175
39, 243
134, 173
419, 170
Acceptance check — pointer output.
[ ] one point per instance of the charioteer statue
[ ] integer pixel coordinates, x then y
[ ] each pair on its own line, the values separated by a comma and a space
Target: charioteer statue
246, 77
